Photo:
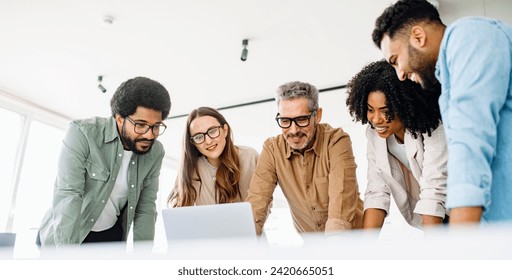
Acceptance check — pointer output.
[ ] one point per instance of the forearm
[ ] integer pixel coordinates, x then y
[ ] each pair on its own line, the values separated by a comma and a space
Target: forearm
260, 195
432, 180
260, 207
465, 215
262, 186
429, 220
344, 202
373, 218
66, 217
145, 210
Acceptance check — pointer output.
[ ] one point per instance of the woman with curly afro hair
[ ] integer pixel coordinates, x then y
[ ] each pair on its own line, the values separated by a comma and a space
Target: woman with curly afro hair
406, 146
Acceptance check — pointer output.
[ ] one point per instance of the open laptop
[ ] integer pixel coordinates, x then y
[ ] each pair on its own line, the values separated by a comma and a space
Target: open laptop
229, 220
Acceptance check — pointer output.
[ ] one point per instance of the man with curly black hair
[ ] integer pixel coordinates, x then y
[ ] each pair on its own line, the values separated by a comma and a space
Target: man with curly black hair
108, 171
472, 61
406, 146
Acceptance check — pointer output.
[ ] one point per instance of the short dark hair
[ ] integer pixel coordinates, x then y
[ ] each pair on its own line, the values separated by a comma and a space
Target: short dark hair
140, 91
417, 109
401, 15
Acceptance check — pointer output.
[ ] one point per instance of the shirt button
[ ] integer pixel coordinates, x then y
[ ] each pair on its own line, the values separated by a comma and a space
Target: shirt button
92, 220
103, 201
113, 179
313, 208
93, 174
131, 207
133, 186
120, 155
319, 224
133, 162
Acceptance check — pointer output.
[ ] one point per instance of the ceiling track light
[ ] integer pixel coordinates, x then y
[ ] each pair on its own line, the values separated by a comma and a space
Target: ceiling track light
108, 20
100, 86
245, 52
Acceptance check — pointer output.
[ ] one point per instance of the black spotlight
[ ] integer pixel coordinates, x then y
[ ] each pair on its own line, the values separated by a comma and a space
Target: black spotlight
100, 86
245, 52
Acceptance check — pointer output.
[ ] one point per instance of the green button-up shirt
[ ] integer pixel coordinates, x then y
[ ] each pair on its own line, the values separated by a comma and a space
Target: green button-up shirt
89, 162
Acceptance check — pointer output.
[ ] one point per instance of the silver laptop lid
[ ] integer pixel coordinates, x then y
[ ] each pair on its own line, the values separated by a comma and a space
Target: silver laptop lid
229, 220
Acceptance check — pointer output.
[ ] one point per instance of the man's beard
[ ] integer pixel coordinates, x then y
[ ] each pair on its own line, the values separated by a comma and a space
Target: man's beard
425, 68
307, 143
132, 144
300, 135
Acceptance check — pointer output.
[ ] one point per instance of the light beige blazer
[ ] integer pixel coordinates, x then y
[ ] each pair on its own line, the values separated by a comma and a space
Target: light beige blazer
421, 190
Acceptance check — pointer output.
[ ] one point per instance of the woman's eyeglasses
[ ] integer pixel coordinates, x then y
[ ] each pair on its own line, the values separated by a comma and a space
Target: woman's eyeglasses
213, 133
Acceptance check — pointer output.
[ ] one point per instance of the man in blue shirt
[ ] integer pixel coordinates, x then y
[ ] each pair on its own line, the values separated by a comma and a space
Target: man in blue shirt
472, 62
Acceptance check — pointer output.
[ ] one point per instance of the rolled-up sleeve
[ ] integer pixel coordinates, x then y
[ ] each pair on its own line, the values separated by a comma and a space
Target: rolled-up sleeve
434, 175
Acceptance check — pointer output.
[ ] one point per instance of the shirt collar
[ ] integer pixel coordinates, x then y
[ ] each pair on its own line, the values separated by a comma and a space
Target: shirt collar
111, 132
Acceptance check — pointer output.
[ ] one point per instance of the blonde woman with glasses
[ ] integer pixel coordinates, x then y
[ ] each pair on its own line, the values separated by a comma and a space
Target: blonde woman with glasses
213, 170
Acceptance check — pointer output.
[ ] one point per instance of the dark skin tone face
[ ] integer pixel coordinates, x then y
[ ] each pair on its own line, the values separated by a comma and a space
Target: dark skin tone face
138, 143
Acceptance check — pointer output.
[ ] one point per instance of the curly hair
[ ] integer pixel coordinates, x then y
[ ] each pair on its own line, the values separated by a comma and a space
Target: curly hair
417, 109
140, 91
227, 183
297, 89
401, 15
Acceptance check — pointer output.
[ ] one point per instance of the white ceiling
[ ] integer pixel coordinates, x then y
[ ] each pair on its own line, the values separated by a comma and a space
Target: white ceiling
52, 51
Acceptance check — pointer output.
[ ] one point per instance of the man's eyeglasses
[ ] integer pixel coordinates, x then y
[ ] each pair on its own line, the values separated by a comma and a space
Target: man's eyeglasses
300, 121
142, 128
213, 133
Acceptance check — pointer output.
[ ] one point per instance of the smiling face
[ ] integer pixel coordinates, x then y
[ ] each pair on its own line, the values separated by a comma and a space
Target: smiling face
210, 148
132, 141
409, 61
377, 116
298, 137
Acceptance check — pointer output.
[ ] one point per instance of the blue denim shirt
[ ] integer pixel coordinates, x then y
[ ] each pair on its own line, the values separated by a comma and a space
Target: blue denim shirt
89, 162
475, 70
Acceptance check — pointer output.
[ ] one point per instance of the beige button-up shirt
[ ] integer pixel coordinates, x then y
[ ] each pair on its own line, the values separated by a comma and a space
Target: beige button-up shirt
320, 185
205, 186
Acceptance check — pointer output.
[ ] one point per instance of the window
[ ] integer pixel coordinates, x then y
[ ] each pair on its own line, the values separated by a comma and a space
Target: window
9, 141
35, 190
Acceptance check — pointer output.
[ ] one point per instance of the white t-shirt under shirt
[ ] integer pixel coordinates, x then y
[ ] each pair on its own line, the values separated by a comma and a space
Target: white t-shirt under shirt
398, 150
118, 197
